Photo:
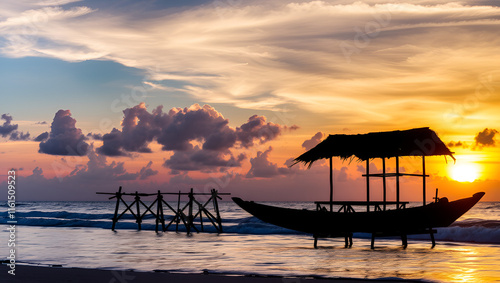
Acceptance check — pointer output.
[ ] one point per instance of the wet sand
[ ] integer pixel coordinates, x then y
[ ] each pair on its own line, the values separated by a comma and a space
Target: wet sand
39, 274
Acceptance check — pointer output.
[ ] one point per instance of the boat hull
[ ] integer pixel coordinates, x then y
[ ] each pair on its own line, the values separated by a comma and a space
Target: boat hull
390, 222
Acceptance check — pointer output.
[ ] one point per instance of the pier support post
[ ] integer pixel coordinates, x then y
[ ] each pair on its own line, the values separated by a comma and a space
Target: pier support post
118, 196
432, 238
138, 217
404, 239
372, 245
397, 182
216, 207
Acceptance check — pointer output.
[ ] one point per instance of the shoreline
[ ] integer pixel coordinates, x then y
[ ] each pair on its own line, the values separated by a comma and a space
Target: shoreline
46, 274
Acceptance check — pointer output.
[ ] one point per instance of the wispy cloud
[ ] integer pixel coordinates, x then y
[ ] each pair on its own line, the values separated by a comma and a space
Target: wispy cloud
353, 60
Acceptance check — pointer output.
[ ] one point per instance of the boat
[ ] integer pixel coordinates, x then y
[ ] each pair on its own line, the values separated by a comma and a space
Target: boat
378, 219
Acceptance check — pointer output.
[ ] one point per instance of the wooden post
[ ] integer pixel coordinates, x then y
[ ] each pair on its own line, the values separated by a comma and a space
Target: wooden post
423, 174
384, 182
138, 217
331, 184
178, 214
368, 184
216, 206
190, 216
118, 199
161, 216
397, 182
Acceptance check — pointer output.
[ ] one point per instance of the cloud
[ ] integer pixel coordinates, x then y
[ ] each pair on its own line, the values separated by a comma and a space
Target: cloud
486, 137
197, 159
64, 137
263, 168
97, 168
199, 136
94, 136
41, 137
146, 171
320, 56
457, 144
257, 129
312, 142
7, 128
19, 136
10, 130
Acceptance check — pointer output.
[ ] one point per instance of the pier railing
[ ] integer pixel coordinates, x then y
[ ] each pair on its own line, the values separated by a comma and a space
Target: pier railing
190, 214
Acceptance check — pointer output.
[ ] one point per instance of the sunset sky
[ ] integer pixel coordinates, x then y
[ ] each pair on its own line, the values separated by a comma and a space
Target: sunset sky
223, 94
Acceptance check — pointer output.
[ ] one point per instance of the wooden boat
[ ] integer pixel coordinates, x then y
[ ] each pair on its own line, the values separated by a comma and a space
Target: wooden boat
377, 219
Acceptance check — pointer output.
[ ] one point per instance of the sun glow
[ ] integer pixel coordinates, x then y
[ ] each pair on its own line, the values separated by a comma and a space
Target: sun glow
464, 172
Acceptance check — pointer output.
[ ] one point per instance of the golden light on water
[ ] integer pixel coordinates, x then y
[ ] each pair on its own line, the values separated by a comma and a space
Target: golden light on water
466, 172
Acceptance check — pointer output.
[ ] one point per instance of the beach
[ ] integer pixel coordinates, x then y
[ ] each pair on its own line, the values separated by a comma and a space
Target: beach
76, 237
37, 274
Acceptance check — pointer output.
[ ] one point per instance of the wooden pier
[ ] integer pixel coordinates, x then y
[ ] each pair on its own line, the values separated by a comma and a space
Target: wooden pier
190, 214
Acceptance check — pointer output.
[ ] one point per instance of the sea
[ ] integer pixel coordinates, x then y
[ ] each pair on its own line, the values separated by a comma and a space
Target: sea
78, 234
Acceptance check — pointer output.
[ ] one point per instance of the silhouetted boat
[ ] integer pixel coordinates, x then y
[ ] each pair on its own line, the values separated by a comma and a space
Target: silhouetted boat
381, 221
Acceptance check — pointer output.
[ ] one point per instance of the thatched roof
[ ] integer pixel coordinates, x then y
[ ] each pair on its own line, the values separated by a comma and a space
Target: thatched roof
414, 142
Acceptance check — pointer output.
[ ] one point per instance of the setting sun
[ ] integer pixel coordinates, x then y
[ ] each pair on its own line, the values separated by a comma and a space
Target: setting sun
464, 172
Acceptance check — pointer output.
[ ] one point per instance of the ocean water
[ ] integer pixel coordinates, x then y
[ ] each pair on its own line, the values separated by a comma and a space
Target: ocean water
78, 234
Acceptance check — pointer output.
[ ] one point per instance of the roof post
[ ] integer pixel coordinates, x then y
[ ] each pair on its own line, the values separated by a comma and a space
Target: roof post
397, 182
368, 184
383, 181
423, 174
331, 183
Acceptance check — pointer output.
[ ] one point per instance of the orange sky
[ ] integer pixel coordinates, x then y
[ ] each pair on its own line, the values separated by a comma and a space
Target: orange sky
301, 67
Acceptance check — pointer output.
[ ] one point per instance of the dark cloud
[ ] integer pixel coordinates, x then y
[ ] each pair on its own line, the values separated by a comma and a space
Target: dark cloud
42, 137
199, 136
98, 168
257, 129
147, 171
486, 137
112, 144
94, 136
64, 137
198, 159
19, 136
10, 130
457, 144
312, 142
41, 123
263, 168
7, 128
204, 124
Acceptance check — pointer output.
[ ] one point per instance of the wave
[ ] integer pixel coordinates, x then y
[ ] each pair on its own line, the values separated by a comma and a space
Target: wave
476, 231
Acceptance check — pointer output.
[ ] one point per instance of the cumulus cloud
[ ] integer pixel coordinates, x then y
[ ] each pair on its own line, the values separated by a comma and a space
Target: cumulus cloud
263, 168
197, 159
10, 130
94, 136
457, 144
41, 137
486, 137
97, 168
7, 128
199, 136
312, 142
257, 129
64, 137
19, 136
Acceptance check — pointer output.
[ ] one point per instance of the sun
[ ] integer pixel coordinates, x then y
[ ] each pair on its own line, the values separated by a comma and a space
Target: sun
464, 172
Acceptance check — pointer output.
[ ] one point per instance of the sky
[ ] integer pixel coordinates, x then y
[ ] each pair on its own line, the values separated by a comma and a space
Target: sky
173, 95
